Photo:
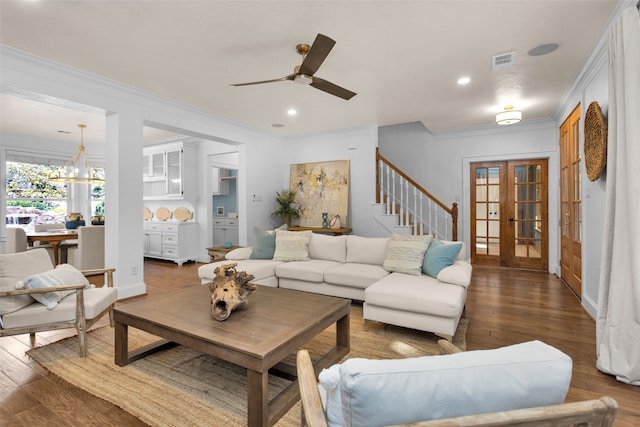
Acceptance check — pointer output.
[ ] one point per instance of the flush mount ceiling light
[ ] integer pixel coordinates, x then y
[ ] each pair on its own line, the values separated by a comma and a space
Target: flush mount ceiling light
80, 169
509, 116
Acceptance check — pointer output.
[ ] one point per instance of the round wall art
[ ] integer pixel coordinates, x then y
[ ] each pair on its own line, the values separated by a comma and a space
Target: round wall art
595, 141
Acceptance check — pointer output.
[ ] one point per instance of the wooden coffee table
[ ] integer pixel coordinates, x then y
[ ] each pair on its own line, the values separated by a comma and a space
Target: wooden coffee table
258, 336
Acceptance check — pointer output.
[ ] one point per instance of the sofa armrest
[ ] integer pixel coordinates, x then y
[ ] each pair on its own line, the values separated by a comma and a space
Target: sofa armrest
458, 273
239, 254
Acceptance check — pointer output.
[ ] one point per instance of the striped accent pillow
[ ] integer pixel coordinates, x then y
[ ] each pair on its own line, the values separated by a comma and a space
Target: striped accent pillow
405, 254
64, 274
292, 245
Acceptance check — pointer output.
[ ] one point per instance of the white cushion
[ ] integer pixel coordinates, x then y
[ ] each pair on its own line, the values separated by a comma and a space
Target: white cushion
96, 300
330, 248
417, 294
309, 271
382, 392
292, 245
367, 250
14, 267
405, 254
355, 275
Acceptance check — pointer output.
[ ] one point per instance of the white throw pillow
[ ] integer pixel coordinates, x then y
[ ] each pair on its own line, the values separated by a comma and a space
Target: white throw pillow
405, 254
292, 245
62, 275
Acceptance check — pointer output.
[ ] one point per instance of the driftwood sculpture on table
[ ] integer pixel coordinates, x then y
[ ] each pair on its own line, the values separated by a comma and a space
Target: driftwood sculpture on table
228, 290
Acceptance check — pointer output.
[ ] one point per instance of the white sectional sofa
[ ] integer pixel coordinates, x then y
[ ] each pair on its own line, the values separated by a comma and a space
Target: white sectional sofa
354, 267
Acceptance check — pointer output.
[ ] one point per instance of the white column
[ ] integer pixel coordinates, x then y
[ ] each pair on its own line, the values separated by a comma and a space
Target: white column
123, 202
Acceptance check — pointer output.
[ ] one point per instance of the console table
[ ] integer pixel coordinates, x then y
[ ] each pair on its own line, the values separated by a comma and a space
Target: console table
334, 231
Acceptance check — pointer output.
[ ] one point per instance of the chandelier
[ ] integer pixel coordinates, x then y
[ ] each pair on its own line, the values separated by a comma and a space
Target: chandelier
79, 169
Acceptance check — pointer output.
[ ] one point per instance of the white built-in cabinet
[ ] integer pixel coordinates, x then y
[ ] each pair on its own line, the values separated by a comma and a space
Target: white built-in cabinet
225, 230
169, 171
174, 241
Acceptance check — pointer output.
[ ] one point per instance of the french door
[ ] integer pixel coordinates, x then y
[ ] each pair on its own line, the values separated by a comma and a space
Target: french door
571, 203
509, 214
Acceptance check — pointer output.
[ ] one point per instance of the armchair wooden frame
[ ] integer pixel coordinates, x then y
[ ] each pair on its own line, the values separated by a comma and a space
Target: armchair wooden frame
592, 413
80, 322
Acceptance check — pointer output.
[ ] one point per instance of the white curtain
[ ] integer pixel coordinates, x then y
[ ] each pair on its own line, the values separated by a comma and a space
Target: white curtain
618, 320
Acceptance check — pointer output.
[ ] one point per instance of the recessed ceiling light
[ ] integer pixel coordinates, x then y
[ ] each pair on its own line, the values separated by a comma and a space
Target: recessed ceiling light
292, 112
277, 125
543, 49
463, 80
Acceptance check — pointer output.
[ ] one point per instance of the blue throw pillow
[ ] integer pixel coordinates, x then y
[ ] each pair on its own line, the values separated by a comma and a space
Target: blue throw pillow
62, 275
439, 256
265, 243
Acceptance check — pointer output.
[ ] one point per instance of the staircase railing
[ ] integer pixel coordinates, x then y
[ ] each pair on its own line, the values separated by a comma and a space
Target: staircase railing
415, 206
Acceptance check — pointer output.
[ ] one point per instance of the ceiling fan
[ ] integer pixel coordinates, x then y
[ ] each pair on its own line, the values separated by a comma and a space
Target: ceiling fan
312, 58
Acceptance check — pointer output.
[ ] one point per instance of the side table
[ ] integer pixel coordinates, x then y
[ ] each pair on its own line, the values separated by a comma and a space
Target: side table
217, 253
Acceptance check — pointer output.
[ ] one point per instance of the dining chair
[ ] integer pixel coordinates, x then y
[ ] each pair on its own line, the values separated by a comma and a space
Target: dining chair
63, 247
89, 254
16, 240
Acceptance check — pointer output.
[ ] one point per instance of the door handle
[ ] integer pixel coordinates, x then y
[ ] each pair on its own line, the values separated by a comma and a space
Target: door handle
510, 219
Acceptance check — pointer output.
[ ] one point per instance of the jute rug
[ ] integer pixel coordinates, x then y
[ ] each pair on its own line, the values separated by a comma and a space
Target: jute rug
181, 387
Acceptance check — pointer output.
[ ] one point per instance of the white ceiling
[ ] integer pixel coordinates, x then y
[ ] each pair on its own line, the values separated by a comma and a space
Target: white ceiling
403, 58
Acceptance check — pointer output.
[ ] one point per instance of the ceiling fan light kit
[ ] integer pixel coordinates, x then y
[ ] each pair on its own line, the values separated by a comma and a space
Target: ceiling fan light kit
312, 57
509, 116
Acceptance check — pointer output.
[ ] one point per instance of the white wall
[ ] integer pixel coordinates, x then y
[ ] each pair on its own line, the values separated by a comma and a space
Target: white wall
358, 145
128, 110
440, 162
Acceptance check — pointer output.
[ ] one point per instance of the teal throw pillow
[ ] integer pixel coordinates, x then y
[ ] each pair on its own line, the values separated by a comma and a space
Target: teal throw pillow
439, 256
265, 245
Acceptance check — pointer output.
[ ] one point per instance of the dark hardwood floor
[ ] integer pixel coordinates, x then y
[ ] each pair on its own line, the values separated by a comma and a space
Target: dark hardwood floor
504, 307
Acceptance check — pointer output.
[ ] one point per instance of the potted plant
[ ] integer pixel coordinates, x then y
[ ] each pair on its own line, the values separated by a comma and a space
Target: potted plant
288, 209
98, 217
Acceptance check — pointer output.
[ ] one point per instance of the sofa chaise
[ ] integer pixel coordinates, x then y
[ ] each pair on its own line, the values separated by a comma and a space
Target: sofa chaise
362, 269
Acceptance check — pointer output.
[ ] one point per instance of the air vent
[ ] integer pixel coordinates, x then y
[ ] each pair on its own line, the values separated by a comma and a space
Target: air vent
503, 60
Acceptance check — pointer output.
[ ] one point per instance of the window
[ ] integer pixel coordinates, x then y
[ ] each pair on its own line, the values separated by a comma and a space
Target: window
31, 198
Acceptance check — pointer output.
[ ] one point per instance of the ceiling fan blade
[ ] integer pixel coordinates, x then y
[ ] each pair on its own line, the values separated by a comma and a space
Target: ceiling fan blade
333, 89
289, 77
319, 50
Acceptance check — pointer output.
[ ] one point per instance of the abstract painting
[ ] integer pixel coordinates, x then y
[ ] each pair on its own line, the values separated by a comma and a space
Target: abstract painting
321, 187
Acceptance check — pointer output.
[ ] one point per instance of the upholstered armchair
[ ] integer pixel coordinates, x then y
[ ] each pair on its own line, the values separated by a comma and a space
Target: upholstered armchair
523, 385
35, 297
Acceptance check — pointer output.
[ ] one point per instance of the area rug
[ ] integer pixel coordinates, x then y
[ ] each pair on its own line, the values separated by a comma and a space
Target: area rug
181, 387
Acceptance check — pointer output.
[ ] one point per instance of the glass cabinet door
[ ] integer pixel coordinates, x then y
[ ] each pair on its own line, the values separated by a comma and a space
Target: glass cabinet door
174, 172
157, 165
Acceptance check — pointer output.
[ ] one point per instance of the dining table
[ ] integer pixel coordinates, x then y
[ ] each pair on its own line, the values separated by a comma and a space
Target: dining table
54, 237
